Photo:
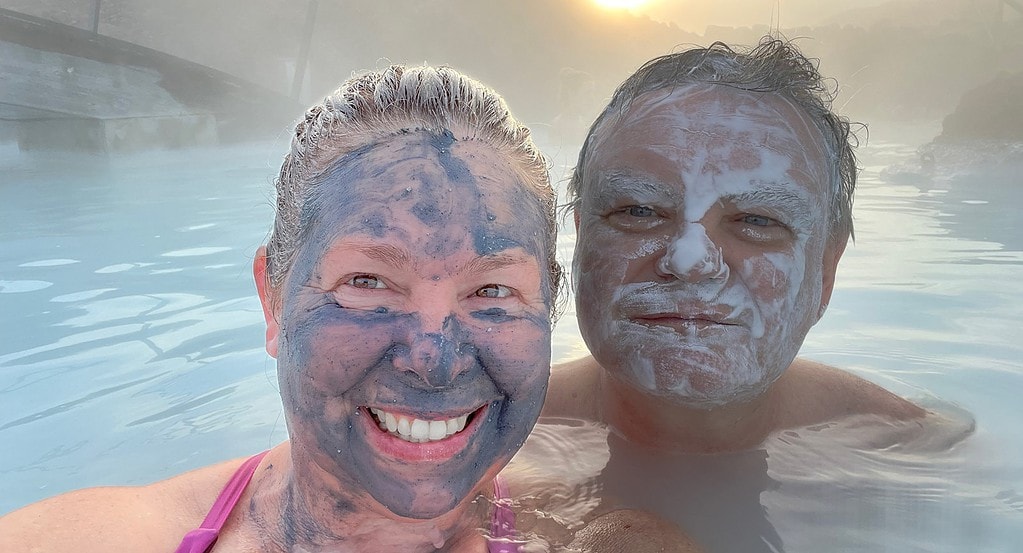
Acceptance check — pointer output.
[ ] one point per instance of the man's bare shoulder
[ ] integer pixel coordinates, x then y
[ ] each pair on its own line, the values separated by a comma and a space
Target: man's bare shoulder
633, 531
139, 518
813, 392
572, 390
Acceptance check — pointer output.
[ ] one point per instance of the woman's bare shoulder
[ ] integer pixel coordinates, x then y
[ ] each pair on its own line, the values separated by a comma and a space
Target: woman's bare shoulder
153, 517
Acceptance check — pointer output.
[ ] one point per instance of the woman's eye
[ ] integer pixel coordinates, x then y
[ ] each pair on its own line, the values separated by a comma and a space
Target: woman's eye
640, 211
366, 281
493, 291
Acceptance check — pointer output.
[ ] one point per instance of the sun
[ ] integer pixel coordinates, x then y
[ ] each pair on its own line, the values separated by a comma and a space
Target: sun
620, 4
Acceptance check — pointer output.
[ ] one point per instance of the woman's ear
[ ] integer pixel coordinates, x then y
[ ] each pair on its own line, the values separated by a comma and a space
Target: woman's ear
266, 298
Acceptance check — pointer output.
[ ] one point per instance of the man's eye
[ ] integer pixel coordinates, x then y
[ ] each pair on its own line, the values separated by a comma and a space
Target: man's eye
493, 291
366, 281
640, 211
757, 220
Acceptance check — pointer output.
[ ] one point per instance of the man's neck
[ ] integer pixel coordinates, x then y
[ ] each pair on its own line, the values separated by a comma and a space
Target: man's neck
658, 424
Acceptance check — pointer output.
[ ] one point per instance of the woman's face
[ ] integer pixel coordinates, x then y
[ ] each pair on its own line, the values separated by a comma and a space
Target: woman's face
413, 333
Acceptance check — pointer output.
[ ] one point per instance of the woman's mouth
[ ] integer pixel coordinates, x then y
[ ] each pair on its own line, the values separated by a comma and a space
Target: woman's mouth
416, 430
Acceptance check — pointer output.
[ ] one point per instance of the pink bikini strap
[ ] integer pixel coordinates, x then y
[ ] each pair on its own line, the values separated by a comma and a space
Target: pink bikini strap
202, 539
502, 522
231, 493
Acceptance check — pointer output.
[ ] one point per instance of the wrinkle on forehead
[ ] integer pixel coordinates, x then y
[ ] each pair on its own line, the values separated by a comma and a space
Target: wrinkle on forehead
727, 141
758, 118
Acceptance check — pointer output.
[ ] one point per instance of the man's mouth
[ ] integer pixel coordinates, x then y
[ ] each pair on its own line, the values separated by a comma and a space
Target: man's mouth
673, 319
416, 430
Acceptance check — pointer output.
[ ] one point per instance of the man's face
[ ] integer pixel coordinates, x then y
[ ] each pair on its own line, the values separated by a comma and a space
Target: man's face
702, 257
414, 324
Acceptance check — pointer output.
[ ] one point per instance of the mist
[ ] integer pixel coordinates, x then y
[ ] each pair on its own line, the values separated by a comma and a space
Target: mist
895, 64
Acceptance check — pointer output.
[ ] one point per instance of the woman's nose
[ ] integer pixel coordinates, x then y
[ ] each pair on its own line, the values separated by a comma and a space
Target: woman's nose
692, 255
436, 357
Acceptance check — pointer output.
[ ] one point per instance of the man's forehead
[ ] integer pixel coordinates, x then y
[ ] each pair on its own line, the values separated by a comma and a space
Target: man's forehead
715, 109
732, 128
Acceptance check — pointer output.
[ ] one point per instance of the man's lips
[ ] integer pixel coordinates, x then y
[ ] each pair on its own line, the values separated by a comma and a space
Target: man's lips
676, 320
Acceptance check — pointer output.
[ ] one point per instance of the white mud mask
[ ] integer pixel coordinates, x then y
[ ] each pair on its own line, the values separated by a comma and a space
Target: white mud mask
700, 258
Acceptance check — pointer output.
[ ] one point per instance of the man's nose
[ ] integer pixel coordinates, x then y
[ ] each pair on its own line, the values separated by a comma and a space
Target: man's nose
692, 255
436, 357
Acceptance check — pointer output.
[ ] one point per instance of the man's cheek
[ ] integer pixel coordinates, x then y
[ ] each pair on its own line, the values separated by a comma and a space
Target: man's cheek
775, 282
599, 272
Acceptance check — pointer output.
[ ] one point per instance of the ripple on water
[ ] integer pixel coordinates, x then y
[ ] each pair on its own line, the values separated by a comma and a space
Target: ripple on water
196, 252
555, 499
81, 296
117, 268
21, 286
49, 263
196, 227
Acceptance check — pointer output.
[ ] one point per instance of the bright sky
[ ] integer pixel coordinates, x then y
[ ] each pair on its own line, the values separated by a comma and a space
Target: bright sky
696, 15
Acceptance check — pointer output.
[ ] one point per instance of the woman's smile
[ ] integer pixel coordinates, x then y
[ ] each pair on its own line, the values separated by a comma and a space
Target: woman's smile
410, 438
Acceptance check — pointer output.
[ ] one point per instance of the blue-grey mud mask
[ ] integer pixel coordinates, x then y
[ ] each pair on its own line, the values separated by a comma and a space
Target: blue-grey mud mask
415, 323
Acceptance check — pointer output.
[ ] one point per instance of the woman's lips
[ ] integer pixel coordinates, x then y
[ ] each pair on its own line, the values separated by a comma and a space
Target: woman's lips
416, 430
416, 439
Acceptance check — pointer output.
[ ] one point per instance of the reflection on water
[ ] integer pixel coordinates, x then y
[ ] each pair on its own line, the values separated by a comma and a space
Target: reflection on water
132, 350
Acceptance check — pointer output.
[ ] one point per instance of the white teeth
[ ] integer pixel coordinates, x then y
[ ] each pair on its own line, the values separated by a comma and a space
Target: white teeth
418, 430
438, 429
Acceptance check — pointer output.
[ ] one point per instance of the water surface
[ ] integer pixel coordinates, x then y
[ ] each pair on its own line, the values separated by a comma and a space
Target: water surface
132, 345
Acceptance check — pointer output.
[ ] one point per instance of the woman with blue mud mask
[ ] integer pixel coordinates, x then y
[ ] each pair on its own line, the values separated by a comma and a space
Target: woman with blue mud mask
408, 288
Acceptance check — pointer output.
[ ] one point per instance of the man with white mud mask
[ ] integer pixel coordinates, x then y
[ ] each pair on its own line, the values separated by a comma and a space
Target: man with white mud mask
712, 201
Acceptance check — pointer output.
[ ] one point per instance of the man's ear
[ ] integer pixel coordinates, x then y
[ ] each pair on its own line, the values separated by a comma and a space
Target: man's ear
832, 254
266, 298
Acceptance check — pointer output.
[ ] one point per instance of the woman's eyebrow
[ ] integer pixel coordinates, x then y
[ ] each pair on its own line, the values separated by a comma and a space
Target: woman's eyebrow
493, 262
386, 253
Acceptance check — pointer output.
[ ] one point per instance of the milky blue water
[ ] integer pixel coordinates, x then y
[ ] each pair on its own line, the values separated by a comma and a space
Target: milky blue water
131, 337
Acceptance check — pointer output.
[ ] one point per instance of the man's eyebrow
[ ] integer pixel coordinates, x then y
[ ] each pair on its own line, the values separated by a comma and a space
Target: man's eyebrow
774, 195
627, 182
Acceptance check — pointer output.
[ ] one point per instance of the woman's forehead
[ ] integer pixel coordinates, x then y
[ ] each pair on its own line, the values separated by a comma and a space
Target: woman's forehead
420, 159
424, 182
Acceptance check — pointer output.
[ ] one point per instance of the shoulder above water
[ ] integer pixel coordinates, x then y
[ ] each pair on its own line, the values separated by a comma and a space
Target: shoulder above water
808, 393
144, 518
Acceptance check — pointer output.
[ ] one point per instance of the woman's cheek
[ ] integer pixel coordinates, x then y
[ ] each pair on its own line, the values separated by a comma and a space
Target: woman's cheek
335, 350
516, 355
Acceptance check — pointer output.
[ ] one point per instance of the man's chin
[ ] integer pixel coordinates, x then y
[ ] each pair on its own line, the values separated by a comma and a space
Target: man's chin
698, 386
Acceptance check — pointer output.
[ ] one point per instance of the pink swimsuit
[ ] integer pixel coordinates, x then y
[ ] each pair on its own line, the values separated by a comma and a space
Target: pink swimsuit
202, 539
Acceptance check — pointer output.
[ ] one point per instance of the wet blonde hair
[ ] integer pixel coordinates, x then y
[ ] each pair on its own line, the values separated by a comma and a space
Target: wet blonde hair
373, 106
